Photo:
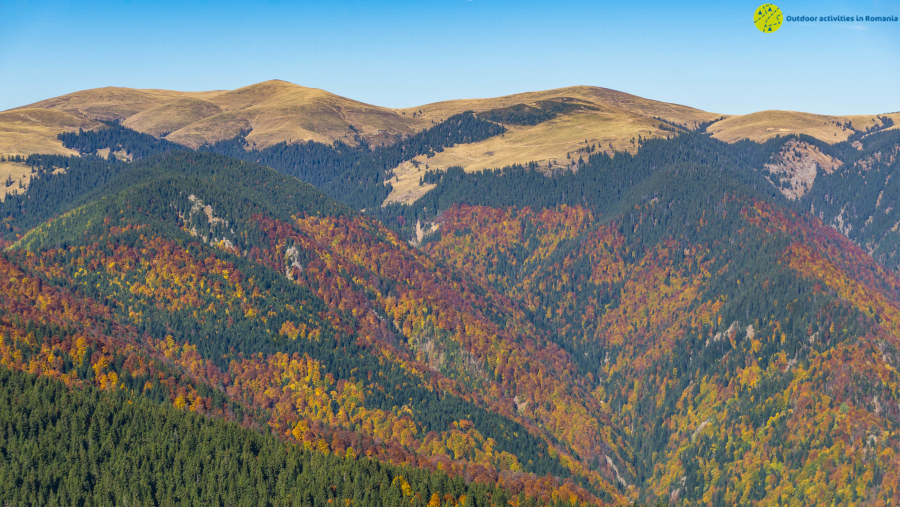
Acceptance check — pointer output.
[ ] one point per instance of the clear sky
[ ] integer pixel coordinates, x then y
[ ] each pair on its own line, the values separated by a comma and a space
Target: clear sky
703, 54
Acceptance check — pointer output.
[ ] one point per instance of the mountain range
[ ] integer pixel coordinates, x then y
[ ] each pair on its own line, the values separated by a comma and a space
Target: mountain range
575, 296
547, 127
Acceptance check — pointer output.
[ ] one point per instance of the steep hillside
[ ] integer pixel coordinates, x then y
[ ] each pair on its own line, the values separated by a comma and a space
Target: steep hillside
325, 324
747, 349
795, 166
840, 182
861, 198
746, 358
107, 446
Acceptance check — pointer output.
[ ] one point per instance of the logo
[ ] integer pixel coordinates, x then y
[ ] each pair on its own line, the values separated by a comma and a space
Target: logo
767, 17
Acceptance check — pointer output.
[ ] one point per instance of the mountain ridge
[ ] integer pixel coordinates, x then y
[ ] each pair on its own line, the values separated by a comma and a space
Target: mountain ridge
280, 112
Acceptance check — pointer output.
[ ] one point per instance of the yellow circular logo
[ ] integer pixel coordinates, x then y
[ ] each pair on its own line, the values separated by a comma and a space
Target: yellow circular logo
767, 17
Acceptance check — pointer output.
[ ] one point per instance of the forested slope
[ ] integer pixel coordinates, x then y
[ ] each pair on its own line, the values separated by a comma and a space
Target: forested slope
746, 350
670, 325
321, 323
106, 447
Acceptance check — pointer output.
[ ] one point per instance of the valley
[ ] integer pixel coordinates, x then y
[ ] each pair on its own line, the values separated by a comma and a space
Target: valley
575, 296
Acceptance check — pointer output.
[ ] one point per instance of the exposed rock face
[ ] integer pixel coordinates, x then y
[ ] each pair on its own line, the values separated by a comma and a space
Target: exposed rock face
794, 169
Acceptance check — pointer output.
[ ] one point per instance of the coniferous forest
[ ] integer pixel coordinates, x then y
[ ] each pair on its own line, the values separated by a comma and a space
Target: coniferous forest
232, 325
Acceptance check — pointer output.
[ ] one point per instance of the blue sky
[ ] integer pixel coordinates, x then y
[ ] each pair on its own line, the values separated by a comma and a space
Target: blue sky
400, 54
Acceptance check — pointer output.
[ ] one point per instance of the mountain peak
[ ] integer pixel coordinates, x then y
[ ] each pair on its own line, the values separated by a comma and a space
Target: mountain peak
276, 111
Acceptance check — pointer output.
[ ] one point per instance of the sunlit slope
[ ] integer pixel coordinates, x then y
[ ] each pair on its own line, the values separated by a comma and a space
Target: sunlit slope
556, 143
765, 125
113, 103
276, 111
552, 128
171, 116
578, 120
34, 130
590, 95
600, 119
272, 111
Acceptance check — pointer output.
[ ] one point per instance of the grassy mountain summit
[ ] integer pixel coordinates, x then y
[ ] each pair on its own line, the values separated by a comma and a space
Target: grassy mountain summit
551, 128
277, 111
273, 111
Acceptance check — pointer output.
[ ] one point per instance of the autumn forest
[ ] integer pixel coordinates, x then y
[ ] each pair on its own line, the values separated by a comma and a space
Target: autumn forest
668, 324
